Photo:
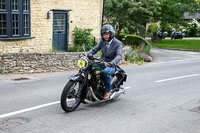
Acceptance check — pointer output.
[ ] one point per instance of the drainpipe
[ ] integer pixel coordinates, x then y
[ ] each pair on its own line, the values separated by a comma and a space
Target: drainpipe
102, 13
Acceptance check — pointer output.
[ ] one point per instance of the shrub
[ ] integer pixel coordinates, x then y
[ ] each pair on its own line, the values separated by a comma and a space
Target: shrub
77, 48
153, 29
134, 59
193, 27
83, 36
146, 49
166, 28
133, 40
141, 49
139, 56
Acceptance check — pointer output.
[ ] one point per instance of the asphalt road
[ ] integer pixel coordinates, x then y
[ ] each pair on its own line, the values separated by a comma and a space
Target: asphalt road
161, 97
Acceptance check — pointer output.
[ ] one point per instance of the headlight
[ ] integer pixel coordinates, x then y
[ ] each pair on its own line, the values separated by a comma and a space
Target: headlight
82, 63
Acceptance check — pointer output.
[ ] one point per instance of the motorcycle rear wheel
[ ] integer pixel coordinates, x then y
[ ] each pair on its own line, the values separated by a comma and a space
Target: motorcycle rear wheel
69, 98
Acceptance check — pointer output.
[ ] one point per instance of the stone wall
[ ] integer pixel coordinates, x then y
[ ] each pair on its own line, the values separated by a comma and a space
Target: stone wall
41, 62
84, 14
37, 62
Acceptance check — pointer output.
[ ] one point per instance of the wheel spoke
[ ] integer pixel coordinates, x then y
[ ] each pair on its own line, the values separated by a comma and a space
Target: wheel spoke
72, 98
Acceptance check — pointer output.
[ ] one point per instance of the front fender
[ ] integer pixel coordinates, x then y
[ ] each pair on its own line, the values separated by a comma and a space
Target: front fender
82, 87
76, 77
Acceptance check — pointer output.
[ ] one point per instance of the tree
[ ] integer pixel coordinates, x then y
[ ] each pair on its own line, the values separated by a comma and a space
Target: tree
129, 15
171, 11
133, 15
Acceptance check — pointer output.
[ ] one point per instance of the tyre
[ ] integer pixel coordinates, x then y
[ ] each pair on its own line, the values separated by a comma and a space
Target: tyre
70, 99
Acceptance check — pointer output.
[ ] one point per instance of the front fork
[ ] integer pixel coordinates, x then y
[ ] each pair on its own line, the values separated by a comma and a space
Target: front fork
83, 83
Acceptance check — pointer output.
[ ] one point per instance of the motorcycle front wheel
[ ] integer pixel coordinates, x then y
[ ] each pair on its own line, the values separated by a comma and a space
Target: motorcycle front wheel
70, 99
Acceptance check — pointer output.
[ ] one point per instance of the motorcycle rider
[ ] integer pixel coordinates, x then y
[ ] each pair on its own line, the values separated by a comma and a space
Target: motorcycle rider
111, 53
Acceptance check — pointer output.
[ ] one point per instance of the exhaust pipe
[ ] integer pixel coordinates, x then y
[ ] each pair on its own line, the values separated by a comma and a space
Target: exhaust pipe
93, 95
112, 96
117, 94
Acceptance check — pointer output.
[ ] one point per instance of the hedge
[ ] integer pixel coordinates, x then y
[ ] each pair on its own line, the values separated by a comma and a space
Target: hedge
133, 40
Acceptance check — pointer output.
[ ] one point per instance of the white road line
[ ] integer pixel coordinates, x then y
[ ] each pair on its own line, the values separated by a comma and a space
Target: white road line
193, 59
28, 109
177, 61
157, 63
172, 61
126, 88
35, 108
187, 76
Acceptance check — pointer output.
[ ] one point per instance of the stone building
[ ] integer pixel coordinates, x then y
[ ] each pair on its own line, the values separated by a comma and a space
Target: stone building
40, 25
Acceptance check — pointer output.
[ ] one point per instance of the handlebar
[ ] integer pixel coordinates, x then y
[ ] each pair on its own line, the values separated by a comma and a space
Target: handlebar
101, 61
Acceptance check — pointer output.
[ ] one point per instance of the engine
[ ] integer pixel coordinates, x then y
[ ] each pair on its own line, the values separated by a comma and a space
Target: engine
97, 82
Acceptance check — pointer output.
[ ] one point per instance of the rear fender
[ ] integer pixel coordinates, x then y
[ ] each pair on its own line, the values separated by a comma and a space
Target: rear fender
121, 75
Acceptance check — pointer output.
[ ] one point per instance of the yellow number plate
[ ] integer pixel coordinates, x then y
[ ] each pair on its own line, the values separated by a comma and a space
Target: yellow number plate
81, 63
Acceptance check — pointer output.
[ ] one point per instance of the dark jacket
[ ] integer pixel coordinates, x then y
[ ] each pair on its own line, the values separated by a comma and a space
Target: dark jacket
113, 54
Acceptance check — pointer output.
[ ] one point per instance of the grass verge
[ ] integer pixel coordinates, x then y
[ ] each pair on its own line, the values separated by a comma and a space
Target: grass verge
179, 44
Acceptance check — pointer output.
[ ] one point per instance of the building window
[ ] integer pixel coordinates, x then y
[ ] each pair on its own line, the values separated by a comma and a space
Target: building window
14, 18
3, 30
15, 26
59, 22
15, 5
26, 24
2, 4
26, 5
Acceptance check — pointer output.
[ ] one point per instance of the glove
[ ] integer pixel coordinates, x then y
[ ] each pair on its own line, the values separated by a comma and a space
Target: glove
106, 64
109, 64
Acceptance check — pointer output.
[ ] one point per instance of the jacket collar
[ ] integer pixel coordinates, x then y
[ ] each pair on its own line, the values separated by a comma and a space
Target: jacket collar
110, 41
111, 45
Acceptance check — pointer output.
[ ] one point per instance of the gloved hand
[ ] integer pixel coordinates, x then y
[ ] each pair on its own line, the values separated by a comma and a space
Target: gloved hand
109, 64
106, 64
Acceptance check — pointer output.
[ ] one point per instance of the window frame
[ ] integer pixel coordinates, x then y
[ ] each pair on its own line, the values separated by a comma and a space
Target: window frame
5, 5
9, 20
5, 11
26, 12
4, 27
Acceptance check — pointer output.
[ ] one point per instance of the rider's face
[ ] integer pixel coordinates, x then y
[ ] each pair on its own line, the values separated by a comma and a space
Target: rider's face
106, 36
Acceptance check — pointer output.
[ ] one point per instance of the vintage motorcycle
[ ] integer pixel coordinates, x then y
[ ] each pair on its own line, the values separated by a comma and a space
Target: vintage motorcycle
88, 85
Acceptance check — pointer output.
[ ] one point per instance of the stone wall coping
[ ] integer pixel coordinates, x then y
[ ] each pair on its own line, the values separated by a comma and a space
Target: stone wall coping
63, 53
